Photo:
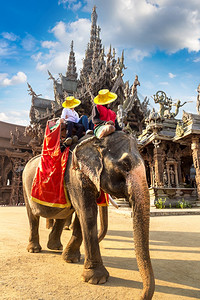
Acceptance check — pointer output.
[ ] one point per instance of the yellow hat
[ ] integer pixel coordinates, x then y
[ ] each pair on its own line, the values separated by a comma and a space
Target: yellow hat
104, 97
71, 102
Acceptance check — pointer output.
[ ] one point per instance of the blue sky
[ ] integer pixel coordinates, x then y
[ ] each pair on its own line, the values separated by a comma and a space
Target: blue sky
161, 40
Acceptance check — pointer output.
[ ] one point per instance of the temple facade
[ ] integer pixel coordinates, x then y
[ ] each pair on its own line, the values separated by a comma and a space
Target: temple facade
170, 147
14, 153
99, 71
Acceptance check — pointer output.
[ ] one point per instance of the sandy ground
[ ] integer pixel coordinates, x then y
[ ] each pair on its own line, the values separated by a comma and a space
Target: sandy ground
175, 253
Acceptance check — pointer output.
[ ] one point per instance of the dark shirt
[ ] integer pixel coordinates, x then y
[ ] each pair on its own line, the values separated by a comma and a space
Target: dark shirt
97, 121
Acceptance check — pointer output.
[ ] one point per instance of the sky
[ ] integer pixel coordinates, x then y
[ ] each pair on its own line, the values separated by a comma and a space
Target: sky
160, 39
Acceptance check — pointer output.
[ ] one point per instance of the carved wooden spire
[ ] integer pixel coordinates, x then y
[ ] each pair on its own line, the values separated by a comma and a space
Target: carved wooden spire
93, 46
71, 68
93, 32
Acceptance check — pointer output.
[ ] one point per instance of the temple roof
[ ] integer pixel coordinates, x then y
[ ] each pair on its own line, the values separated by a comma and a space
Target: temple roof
42, 103
163, 130
188, 127
5, 129
12, 136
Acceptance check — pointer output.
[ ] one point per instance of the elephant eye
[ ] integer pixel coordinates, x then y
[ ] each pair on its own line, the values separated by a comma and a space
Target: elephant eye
125, 164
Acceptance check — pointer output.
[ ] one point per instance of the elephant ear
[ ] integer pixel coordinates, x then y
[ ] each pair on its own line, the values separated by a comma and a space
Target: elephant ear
87, 158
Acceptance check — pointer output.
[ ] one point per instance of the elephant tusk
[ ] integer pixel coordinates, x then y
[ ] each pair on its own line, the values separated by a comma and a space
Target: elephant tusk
112, 201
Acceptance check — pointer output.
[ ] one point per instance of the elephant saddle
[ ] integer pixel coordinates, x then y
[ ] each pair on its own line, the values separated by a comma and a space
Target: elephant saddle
48, 186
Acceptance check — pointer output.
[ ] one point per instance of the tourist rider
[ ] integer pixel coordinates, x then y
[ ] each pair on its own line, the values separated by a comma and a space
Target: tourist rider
103, 115
72, 120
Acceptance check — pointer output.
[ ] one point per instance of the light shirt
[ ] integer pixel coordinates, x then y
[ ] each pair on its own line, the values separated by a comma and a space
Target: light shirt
71, 114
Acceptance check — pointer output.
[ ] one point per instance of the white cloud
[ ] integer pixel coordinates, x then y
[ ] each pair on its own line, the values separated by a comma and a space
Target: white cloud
164, 83
56, 59
150, 25
19, 78
70, 4
137, 54
139, 27
171, 75
5, 49
19, 118
9, 36
3, 76
57, 64
196, 59
4, 117
29, 42
49, 44
77, 6
37, 56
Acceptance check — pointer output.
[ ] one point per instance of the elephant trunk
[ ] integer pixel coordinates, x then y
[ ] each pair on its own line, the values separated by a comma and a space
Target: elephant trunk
139, 196
103, 213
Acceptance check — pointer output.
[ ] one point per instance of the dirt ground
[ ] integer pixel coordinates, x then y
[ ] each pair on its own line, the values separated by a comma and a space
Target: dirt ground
175, 253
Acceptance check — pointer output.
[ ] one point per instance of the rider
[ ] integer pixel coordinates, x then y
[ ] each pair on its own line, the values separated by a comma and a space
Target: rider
71, 118
102, 114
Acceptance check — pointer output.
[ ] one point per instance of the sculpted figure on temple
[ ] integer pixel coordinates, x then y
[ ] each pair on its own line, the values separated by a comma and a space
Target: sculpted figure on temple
52, 78
165, 179
117, 70
121, 115
109, 56
12, 140
178, 105
153, 117
135, 84
164, 102
172, 176
31, 92
119, 67
126, 90
152, 177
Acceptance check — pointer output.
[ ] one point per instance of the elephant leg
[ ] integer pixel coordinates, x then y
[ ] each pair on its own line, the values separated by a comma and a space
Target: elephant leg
141, 213
68, 222
103, 214
54, 242
94, 271
49, 223
34, 245
72, 254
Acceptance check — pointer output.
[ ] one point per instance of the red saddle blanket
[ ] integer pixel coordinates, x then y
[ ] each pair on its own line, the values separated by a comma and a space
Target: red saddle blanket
48, 185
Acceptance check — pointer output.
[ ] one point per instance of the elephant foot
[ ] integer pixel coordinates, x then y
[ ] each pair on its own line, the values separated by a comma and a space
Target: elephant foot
98, 275
71, 256
34, 247
54, 245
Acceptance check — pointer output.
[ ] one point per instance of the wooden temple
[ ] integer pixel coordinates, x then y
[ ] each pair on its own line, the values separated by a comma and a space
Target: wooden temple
15, 151
169, 147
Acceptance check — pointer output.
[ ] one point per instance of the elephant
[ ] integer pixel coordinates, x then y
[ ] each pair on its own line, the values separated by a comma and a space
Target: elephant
103, 213
113, 164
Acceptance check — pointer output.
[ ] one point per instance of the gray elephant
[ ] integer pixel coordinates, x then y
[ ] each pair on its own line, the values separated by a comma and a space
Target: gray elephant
103, 216
114, 165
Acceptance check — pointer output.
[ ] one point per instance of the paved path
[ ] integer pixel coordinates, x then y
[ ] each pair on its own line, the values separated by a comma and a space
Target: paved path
174, 247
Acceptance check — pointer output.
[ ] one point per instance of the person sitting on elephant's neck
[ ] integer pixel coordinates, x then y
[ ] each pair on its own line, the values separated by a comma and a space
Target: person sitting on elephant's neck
104, 119
72, 120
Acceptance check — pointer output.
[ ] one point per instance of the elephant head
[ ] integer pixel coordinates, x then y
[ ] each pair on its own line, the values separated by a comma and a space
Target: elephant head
114, 165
